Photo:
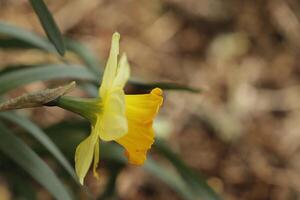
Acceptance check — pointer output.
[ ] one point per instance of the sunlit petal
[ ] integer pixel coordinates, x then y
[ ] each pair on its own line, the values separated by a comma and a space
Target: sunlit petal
113, 122
137, 142
123, 73
96, 159
84, 156
144, 107
111, 66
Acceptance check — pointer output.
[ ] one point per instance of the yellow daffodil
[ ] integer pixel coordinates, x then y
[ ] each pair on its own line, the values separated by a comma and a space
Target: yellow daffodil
126, 119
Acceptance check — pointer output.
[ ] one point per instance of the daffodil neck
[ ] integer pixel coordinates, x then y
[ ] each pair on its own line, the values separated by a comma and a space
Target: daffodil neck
86, 107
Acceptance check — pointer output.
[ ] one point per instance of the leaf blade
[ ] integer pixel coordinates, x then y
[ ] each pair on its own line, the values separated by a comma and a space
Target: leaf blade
169, 177
42, 137
25, 36
197, 184
49, 25
11, 80
21, 154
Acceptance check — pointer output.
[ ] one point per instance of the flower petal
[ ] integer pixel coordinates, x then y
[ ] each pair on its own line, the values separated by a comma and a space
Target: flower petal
111, 66
140, 111
143, 107
84, 156
123, 73
96, 159
113, 123
137, 142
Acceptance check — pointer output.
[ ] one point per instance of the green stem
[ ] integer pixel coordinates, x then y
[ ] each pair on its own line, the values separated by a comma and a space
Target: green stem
86, 107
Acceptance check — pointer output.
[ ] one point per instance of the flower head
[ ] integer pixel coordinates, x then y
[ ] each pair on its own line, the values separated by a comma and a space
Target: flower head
126, 119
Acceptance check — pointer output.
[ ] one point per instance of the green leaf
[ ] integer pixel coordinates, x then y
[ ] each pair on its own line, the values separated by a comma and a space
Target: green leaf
11, 43
14, 79
25, 36
22, 186
169, 177
19, 152
86, 55
196, 183
39, 135
49, 25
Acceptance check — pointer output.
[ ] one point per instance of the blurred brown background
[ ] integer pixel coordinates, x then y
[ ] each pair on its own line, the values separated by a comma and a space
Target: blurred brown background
243, 132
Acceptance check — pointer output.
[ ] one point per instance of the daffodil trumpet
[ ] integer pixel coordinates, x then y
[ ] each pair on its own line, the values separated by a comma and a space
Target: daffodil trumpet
114, 116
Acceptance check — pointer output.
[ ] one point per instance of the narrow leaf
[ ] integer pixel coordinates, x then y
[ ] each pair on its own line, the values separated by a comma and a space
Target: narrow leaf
169, 177
49, 25
11, 43
40, 136
22, 187
25, 36
20, 153
196, 183
14, 79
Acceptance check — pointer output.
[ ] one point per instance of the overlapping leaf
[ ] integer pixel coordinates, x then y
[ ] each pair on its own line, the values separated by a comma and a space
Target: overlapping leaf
39, 135
25, 36
20, 153
11, 80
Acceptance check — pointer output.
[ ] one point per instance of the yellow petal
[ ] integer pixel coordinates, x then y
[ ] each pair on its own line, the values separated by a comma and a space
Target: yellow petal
123, 73
140, 112
137, 142
84, 155
112, 122
96, 159
111, 66
143, 107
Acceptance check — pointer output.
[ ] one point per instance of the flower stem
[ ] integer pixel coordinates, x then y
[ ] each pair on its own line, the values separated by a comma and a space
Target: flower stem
86, 107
